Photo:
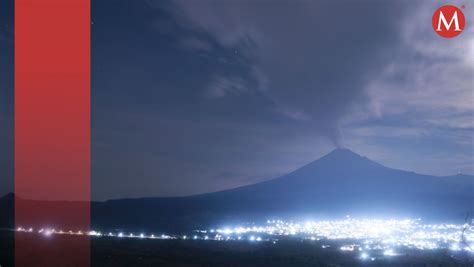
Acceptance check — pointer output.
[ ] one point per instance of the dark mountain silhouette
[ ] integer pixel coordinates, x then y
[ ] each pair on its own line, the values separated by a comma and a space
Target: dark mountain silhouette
337, 184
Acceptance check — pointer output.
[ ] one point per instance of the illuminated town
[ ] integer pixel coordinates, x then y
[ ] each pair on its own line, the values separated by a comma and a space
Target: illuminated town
364, 237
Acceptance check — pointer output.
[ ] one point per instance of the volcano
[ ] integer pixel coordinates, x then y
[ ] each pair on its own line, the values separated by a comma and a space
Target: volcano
340, 183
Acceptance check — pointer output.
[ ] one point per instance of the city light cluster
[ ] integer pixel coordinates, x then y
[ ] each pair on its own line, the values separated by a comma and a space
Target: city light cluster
48, 232
366, 234
366, 237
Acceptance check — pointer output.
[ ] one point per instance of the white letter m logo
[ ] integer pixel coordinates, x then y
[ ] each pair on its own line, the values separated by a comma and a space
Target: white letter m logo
442, 18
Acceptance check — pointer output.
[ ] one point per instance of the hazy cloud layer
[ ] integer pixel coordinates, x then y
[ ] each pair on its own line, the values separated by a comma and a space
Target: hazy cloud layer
313, 63
425, 92
197, 96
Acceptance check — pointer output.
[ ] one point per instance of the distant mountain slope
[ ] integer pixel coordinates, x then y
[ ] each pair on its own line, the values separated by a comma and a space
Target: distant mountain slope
339, 183
342, 182
343, 174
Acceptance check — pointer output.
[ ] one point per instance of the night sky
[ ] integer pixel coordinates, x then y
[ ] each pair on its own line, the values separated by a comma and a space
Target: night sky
198, 96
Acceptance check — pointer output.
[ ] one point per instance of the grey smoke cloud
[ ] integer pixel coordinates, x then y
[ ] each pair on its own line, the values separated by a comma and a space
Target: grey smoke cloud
311, 58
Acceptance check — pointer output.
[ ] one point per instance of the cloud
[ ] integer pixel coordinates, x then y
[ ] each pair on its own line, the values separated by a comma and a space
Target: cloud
195, 43
389, 131
296, 115
309, 63
429, 83
224, 86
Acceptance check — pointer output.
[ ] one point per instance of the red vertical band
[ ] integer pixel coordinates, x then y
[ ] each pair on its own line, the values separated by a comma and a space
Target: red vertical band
52, 130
